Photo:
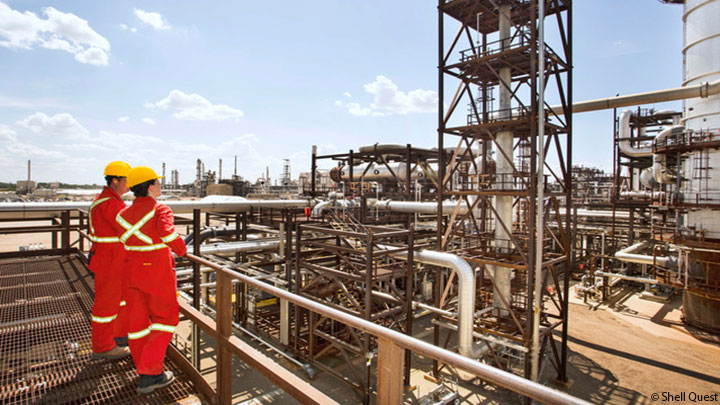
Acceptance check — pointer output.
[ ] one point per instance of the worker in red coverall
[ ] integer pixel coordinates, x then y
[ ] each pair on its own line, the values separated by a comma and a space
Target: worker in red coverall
109, 320
148, 235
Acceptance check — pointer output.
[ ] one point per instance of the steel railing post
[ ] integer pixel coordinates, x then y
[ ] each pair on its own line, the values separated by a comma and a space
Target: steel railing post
196, 289
224, 329
391, 360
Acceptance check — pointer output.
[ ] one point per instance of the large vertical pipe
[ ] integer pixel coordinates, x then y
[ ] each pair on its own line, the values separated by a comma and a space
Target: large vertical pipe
235, 171
163, 175
219, 171
504, 204
29, 177
539, 211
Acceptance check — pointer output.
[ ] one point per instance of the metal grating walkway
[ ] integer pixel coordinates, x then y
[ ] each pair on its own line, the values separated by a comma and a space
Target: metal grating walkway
45, 348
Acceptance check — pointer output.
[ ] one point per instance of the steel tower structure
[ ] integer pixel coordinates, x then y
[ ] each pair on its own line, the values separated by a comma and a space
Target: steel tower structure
509, 152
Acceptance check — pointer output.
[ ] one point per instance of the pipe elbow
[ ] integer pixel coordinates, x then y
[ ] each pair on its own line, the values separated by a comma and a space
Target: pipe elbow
318, 209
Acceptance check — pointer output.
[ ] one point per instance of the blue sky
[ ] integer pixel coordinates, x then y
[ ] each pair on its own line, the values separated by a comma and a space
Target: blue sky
86, 82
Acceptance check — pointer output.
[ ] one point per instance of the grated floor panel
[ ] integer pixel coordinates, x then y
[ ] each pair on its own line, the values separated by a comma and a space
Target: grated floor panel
45, 348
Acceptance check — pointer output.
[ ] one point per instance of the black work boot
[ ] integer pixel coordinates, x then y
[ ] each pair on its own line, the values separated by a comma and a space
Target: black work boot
149, 383
121, 341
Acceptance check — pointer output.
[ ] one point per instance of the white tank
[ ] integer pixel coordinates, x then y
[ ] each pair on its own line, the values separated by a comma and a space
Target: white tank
701, 62
377, 172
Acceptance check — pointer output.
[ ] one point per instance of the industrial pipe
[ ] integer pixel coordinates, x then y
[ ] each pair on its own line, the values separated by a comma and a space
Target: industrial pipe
225, 204
418, 207
415, 304
624, 136
647, 178
213, 232
318, 209
240, 246
466, 295
626, 277
628, 255
466, 292
702, 90
661, 173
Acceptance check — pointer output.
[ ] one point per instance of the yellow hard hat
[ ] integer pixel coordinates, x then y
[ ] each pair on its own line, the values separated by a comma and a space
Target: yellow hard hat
141, 174
117, 168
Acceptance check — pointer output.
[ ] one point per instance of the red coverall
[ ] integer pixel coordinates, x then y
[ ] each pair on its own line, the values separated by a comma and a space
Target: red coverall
107, 262
148, 234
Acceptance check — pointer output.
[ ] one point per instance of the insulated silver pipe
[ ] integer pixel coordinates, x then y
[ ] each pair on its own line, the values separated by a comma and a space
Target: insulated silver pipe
240, 246
466, 295
628, 255
415, 304
53, 209
418, 207
625, 277
466, 292
318, 209
624, 135
702, 90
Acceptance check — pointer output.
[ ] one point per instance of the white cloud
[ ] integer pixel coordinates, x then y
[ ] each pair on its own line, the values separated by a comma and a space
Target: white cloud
155, 20
388, 99
148, 121
347, 94
354, 108
123, 119
15, 152
62, 124
126, 28
60, 31
195, 107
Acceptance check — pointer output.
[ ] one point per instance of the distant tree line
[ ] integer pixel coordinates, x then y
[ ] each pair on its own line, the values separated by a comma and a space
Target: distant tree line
7, 186
68, 185
11, 186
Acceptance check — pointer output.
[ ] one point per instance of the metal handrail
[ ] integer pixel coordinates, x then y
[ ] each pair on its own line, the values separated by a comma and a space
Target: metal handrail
391, 337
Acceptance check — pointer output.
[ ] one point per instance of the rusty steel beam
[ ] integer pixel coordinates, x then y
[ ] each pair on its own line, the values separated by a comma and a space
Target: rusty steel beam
491, 374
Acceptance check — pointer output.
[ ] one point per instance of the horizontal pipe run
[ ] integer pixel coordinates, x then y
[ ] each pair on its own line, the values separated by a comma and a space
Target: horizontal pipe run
626, 277
415, 304
491, 374
629, 255
489, 338
417, 207
701, 90
240, 246
53, 209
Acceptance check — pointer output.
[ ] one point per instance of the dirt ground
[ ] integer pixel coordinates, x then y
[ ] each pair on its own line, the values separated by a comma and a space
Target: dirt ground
625, 352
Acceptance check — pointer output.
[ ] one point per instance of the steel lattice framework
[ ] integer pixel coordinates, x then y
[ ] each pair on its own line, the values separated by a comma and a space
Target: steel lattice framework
492, 172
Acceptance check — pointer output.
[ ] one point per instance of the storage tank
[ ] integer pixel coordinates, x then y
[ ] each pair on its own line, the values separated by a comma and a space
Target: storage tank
701, 62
